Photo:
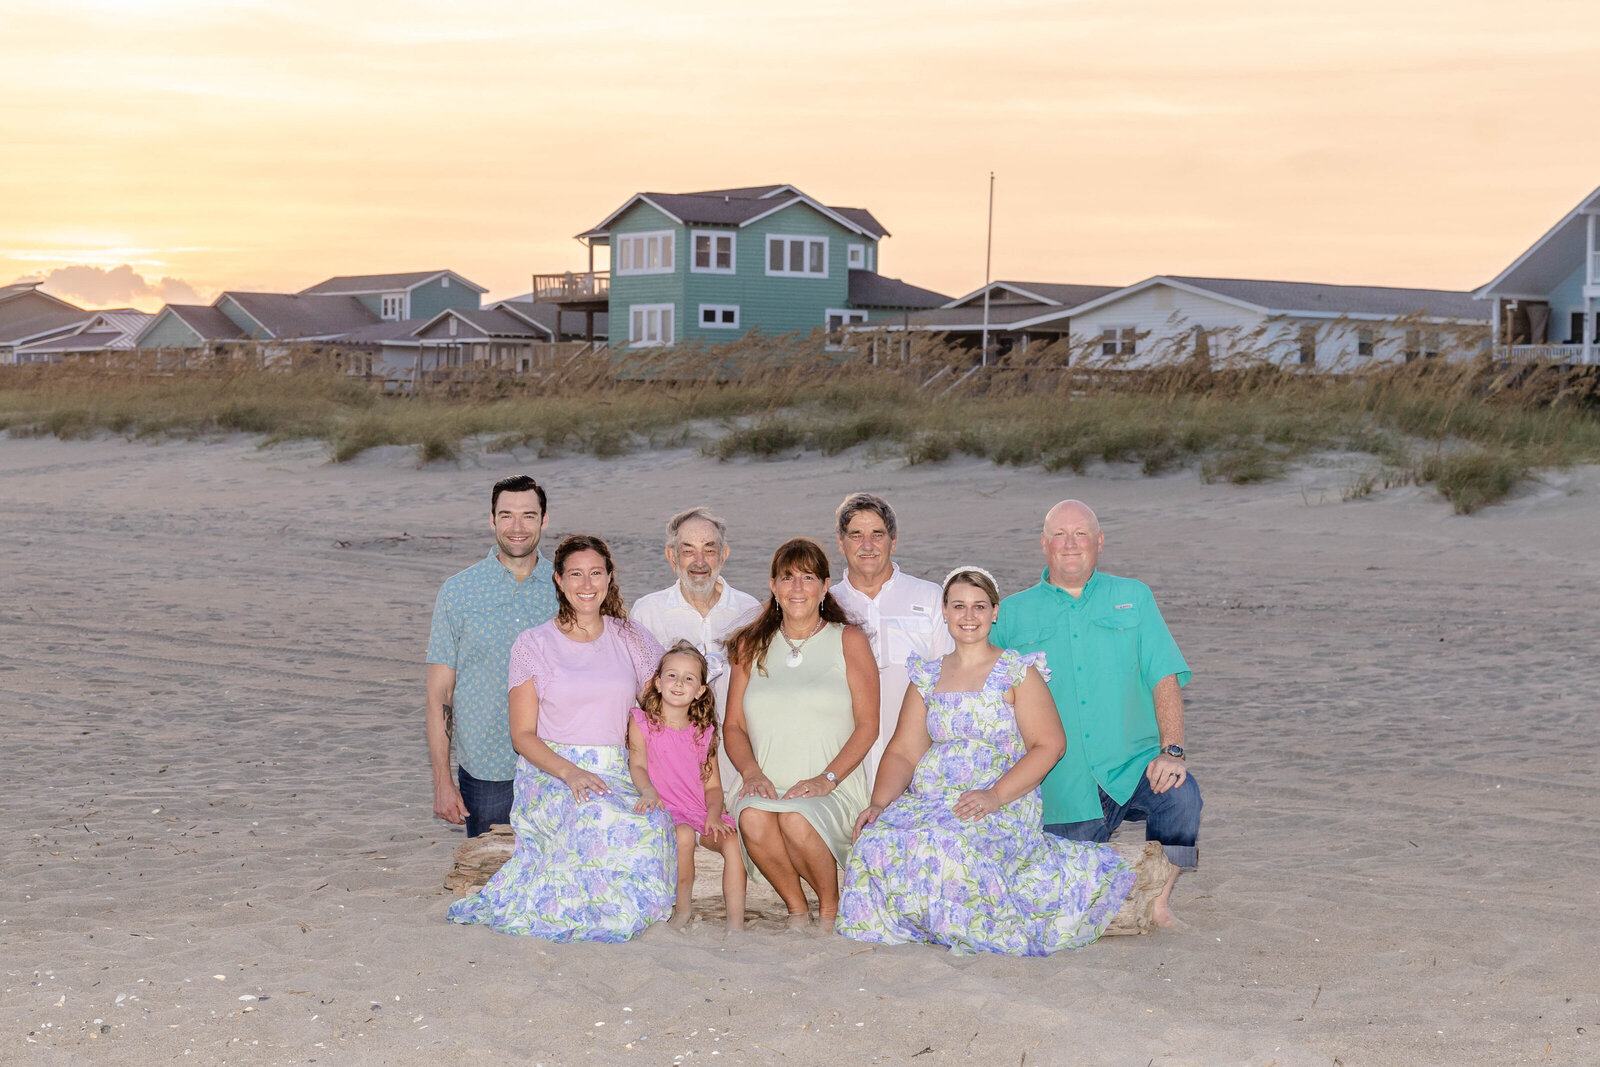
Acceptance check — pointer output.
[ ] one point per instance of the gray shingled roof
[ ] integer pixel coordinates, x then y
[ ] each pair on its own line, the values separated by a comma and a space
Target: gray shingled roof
289, 316
347, 284
207, 321
401, 331
490, 322
1285, 297
97, 341
970, 317
1066, 295
872, 290
732, 207
743, 192
47, 322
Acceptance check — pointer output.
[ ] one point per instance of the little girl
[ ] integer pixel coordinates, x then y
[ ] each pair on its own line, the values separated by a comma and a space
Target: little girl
672, 755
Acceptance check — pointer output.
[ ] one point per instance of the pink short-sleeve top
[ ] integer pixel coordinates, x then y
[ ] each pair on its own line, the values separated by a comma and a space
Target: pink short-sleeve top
585, 688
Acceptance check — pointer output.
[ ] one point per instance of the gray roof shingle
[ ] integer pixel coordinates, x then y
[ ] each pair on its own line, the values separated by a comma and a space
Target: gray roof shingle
295, 315
207, 321
349, 284
869, 289
1343, 299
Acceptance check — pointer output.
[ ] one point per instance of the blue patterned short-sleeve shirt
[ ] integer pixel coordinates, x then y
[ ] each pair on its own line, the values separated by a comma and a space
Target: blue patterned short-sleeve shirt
476, 619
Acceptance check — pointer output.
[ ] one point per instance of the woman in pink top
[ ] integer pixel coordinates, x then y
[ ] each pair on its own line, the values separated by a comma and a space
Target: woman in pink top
587, 866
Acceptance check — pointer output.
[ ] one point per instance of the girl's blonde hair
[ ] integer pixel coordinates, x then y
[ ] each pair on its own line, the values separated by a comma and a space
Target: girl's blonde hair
702, 709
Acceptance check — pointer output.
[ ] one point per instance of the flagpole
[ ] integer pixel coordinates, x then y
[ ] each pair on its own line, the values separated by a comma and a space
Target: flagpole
988, 258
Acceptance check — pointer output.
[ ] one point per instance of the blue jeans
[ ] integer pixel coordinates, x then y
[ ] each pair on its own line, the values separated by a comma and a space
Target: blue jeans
1172, 818
487, 802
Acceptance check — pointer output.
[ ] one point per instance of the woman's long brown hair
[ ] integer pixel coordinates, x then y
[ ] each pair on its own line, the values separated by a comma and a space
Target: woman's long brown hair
611, 603
702, 709
748, 645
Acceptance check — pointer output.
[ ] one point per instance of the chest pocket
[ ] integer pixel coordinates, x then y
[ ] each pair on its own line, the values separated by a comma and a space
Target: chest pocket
1033, 638
1116, 636
901, 635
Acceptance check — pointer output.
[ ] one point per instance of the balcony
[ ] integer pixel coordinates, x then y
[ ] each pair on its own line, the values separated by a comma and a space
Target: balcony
574, 290
1543, 353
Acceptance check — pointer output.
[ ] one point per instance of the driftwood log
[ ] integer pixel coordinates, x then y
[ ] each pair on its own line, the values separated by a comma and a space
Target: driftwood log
479, 858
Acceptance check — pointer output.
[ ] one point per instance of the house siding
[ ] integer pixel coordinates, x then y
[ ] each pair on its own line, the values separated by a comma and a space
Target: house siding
630, 289
169, 331
428, 300
25, 306
241, 318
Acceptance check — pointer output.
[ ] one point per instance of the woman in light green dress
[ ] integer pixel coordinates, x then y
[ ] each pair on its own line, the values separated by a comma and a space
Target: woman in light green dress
802, 715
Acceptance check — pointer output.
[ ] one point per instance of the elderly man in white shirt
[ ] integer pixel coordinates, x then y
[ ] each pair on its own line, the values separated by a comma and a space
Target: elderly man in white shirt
699, 607
900, 613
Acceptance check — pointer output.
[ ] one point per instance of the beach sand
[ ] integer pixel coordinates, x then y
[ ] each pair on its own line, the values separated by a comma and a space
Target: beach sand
217, 823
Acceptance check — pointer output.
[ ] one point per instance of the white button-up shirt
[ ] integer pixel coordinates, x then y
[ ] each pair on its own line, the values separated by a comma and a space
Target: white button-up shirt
670, 617
904, 618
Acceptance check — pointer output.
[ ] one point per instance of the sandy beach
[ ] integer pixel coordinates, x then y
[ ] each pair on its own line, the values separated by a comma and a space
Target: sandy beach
219, 844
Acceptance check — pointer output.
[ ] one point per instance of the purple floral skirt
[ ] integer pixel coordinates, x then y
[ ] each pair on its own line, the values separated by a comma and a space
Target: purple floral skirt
590, 871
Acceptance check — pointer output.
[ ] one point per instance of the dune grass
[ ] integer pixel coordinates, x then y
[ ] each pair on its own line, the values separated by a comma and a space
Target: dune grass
1473, 434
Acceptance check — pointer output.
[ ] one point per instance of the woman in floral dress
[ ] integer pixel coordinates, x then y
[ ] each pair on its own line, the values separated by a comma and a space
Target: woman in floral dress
587, 867
961, 860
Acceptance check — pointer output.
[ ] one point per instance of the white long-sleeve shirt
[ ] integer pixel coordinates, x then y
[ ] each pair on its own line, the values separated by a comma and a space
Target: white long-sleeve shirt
904, 618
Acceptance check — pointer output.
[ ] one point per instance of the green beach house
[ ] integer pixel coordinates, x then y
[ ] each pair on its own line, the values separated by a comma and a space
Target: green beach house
710, 266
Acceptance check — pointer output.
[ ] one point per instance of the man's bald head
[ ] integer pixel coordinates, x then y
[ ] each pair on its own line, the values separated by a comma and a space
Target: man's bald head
1071, 541
1074, 508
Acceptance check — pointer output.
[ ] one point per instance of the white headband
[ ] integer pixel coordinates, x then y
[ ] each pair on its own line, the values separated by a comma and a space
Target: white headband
975, 570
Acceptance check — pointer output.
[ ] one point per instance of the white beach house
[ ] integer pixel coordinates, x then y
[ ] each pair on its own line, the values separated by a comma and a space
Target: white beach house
1546, 305
1341, 327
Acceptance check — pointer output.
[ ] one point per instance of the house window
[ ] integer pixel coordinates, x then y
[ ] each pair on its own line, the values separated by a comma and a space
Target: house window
719, 316
453, 326
1119, 341
444, 283
1308, 345
805, 257
713, 252
393, 307
650, 324
1365, 340
1421, 345
645, 253
858, 257
837, 319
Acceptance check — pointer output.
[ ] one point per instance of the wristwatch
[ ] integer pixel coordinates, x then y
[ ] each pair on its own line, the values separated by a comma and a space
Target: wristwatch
1175, 751
833, 779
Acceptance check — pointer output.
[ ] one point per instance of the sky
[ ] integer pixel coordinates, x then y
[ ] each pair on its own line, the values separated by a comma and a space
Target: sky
166, 150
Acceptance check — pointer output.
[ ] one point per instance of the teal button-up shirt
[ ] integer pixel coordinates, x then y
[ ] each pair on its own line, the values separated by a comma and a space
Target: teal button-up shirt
476, 619
1106, 650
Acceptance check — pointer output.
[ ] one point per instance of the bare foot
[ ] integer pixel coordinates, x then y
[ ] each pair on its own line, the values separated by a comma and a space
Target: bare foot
825, 922
1161, 915
680, 918
798, 920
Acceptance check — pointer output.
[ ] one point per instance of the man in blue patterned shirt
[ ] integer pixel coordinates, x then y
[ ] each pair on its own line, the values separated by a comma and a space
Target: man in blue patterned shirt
476, 618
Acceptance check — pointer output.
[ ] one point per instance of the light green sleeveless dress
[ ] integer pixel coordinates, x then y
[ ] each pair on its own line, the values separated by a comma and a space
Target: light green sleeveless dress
799, 718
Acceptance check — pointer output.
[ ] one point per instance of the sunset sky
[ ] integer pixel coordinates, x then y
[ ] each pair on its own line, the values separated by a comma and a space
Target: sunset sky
168, 149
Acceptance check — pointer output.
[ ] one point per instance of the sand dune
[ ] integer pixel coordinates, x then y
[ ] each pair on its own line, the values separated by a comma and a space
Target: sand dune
218, 836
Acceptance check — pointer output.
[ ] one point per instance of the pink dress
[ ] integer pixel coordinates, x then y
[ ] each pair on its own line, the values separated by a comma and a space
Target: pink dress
675, 759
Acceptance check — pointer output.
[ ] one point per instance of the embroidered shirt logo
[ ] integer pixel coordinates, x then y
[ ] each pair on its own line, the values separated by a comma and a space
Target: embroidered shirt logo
1123, 607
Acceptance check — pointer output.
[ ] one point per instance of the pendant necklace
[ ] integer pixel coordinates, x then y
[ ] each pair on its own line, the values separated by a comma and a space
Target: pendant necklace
794, 658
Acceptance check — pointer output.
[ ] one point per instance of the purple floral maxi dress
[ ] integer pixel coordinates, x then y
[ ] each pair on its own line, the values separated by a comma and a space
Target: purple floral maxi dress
996, 884
590, 871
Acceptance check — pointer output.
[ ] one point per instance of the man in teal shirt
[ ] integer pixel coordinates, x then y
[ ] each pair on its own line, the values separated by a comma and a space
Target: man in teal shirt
476, 619
1116, 676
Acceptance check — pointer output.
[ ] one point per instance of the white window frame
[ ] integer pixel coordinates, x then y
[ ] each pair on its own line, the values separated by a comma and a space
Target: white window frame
1119, 341
787, 238
848, 317
719, 312
452, 325
714, 236
631, 248
1366, 341
639, 323
856, 257
392, 307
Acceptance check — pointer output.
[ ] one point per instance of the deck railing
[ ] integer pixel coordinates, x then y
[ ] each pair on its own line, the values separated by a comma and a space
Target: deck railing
1541, 353
572, 287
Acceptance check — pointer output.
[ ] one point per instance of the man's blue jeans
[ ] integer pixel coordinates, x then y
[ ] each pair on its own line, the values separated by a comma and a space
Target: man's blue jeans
487, 802
1172, 818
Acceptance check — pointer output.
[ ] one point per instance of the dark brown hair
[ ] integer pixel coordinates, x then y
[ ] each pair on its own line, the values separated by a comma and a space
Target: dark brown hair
611, 604
800, 555
702, 710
